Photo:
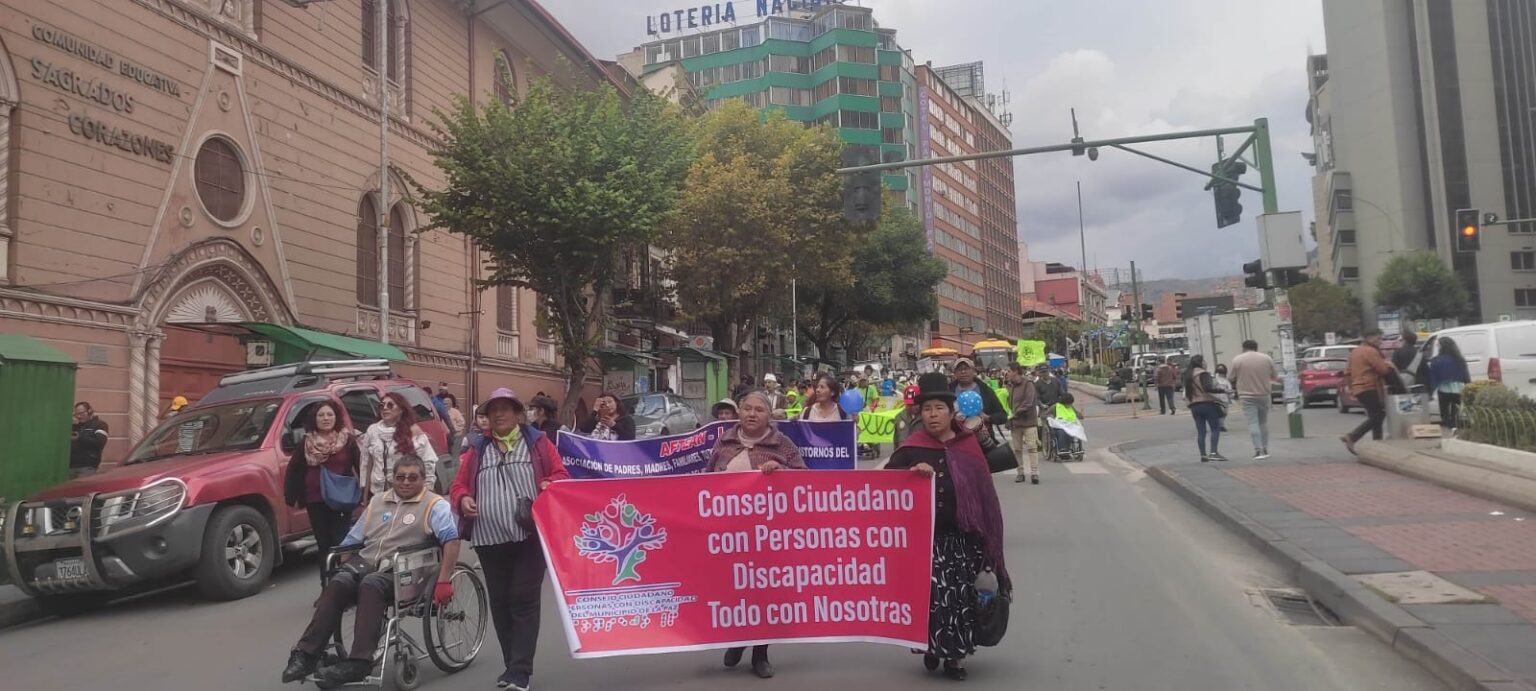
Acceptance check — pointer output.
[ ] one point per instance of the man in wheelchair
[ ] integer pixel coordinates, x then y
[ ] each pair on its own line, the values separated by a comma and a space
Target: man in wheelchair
398, 519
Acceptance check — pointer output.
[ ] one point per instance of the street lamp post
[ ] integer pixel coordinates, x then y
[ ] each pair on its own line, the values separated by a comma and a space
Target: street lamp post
381, 45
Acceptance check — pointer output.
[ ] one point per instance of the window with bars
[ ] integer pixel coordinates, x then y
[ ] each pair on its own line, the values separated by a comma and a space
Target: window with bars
368, 255
506, 82
220, 179
506, 308
1349, 273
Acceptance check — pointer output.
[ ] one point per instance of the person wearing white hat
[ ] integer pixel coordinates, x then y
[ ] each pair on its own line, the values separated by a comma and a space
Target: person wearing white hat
775, 396
499, 477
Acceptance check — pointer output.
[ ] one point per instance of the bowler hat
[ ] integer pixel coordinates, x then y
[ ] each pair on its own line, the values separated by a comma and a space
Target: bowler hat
933, 386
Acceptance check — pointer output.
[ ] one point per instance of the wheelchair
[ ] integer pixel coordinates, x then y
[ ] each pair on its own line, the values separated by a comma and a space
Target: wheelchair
451, 634
1048, 449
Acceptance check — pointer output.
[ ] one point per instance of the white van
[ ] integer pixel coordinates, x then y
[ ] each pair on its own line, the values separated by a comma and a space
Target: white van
1327, 351
1501, 351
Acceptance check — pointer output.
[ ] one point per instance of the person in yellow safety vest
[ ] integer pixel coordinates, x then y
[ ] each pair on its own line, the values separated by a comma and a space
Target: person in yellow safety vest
1065, 411
794, 405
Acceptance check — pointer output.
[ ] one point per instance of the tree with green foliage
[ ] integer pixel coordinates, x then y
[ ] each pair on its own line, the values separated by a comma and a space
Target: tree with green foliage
894, 276
1422, 286
1318, 307
552, 189
1057, 332
761, 202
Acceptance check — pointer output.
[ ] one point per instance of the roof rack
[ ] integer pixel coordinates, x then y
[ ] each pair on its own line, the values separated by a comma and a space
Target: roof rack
328, 369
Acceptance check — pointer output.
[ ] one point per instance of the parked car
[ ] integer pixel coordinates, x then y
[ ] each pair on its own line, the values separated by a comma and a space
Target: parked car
1328, 352
660, 414
1321, 379
201, 496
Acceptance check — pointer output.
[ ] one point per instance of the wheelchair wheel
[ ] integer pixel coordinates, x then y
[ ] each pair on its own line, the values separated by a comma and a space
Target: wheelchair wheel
407, 675
455, 631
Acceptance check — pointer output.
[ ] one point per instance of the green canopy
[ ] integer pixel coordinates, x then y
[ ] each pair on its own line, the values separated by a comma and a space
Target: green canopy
313, 342
27, 349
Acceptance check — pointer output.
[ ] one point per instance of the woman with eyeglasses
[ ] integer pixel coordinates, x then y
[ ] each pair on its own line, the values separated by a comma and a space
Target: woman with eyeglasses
394, 436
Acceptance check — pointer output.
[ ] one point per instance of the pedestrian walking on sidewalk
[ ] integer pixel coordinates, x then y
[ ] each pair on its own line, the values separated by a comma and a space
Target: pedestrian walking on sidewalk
88, 436
498, 479
393, 437
1253, 374
1165, 377
1448, 376
754, 445
1024, 422
968, 524
1367, 374
328, 447
1201, 399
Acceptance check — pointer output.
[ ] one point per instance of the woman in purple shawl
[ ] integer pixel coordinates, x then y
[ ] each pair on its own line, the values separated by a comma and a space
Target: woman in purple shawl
968, 522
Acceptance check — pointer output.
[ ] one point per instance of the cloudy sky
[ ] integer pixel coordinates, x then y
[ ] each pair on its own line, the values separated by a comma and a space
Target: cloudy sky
1129, 67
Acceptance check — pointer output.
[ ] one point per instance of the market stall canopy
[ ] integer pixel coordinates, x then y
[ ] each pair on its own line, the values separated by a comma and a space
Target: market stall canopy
323, 344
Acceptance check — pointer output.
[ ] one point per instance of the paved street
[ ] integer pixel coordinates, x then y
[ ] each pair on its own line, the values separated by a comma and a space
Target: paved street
1120, 585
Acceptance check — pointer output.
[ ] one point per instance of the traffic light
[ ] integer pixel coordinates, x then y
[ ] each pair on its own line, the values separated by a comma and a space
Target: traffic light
1255, 275
1146, 312
1290, 278
1228, 209
1469, 230
861, 191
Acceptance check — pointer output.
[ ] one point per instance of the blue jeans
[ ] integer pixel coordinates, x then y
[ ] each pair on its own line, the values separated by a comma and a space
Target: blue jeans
1207, 420
1256, 410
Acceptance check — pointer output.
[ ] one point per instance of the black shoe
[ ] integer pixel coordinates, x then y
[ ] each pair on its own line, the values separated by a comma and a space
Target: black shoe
504, 680
517, 681
1205, 458
345, 672
1019, 478
762, 667
931, 662
300, 665
1217, 457
953, 670
1034, 479
733, 656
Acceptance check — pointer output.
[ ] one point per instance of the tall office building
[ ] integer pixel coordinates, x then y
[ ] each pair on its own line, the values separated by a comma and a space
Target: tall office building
968, 208
828, 65
1420, 108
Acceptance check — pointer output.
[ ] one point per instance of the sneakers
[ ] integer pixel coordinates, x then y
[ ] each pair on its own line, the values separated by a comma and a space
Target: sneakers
1217, 457
1020, 478
300, 665
1034, 478
515, 681
344, 672
1205, 458
1261, 455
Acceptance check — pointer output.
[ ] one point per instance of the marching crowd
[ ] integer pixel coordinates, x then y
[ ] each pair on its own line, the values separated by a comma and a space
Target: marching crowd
369, 493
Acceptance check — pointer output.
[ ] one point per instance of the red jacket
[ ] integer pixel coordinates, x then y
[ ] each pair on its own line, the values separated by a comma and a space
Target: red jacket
546, 466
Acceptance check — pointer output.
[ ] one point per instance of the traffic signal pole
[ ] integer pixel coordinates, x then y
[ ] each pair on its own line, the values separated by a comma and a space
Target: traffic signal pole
1264, 160
1263, 156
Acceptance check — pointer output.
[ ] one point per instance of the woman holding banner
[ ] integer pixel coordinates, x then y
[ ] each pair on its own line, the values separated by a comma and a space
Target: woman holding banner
968, 523
825, 406
754, 444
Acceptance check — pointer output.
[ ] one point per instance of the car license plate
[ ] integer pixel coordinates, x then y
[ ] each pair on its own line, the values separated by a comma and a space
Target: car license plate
1329, 391
69, 569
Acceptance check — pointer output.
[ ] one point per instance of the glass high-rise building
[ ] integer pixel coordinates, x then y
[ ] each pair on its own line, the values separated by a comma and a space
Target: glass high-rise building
832, 65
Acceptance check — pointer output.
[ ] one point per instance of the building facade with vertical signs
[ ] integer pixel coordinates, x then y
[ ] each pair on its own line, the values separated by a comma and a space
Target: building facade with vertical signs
169, 168
968, 209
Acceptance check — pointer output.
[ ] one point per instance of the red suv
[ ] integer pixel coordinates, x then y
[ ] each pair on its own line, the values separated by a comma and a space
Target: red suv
201, 495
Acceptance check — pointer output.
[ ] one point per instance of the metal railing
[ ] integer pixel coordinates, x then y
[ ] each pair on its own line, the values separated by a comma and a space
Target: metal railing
1505, 427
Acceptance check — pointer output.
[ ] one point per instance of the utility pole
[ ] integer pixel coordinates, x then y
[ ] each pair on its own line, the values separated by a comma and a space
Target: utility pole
1082, 274
1264, 159
1136, 321
381, 45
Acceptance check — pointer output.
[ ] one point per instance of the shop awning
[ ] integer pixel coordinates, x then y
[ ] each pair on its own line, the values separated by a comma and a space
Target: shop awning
19, 348
633, 356
325, 344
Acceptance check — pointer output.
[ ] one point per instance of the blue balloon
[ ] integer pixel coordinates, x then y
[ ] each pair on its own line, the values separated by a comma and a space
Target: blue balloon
970, 403
852, 402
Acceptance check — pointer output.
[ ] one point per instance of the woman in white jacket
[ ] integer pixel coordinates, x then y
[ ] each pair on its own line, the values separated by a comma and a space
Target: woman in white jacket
394, 436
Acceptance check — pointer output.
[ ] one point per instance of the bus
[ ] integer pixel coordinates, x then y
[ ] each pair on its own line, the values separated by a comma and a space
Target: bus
992, 354
937, 360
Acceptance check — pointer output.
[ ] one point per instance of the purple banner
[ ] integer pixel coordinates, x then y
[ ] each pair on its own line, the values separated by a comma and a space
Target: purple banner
825, 446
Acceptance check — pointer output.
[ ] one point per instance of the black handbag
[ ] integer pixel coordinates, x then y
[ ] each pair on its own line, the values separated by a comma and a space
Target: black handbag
1000, 458
991, 610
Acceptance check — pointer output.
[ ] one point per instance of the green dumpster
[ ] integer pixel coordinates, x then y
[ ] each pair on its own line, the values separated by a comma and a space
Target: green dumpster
37, 398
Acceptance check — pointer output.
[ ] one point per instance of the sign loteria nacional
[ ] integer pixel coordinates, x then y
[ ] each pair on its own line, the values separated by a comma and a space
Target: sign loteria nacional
706, 16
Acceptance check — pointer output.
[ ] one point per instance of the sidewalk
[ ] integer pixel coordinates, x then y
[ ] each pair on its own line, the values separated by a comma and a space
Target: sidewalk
1336, 522
16, 607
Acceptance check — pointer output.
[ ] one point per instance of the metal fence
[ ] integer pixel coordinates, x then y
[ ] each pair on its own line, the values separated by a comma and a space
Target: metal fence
1509, 428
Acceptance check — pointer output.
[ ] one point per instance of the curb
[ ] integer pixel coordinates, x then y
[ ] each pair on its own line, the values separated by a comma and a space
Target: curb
17, 609
1458, 667
1444, 470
